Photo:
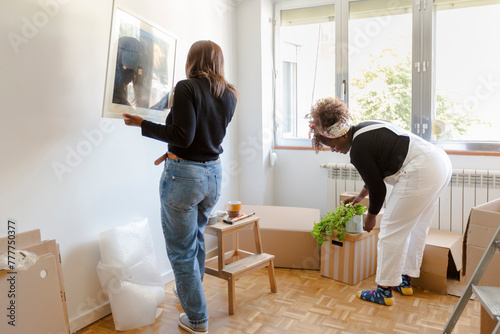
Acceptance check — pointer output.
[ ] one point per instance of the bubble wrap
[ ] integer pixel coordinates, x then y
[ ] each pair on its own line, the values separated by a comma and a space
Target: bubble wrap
129, 275
17, 260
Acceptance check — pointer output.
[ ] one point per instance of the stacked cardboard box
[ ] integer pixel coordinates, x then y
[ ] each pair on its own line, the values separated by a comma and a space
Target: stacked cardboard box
483, 223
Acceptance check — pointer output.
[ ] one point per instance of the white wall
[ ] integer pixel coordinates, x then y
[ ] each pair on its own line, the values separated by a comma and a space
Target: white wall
255, 107
51, 100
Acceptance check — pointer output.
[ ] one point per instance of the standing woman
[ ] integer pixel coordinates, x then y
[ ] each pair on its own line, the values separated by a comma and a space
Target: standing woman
190, 185
418, 170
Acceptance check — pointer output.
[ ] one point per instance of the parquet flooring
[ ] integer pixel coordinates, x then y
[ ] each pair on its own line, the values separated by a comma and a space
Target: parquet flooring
307, 302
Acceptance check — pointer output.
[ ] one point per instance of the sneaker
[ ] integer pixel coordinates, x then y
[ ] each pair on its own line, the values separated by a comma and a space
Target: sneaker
174, 290
185, 324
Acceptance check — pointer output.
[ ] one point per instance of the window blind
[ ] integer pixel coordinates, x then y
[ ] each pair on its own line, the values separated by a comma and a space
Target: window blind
309, 15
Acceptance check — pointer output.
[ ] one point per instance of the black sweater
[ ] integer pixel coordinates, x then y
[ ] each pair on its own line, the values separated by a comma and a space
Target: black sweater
377, 154
196, 125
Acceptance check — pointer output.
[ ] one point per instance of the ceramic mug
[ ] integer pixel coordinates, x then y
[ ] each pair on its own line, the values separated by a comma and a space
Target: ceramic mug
354, 225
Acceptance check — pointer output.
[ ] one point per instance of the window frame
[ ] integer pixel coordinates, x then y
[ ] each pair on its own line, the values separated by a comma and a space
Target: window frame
423, 82
296, 4
428, 18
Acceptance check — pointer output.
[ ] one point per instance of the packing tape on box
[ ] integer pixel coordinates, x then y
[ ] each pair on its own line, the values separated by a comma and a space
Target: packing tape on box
233, 206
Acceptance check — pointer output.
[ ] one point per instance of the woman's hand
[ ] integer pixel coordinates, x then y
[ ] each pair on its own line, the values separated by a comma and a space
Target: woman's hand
352, 199
132, 120
370, 221
358, 198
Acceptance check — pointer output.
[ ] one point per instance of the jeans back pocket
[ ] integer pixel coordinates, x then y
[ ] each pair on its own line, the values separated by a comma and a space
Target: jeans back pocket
184, 192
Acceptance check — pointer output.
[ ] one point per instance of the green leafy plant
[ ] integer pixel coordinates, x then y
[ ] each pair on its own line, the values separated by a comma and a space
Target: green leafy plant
334, 222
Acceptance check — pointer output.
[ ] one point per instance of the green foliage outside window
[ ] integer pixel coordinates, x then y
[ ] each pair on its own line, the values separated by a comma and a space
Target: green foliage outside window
383, 91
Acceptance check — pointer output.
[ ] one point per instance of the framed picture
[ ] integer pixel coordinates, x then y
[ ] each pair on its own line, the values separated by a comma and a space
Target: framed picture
140, 70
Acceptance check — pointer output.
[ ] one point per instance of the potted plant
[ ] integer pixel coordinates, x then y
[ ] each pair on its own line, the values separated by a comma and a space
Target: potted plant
334, 223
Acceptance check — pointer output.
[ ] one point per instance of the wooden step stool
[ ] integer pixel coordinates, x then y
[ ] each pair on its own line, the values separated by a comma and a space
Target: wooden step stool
236, 263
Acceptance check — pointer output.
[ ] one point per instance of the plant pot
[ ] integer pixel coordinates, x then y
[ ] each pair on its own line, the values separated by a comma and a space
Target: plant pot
354, 225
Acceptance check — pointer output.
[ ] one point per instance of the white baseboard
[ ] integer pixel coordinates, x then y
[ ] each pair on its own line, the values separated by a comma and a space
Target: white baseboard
104, 310
89, 318
168, 276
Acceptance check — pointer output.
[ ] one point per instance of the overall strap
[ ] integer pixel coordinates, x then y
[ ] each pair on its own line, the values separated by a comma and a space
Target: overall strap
379, 125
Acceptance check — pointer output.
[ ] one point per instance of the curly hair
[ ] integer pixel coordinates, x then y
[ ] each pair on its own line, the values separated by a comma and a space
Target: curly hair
324, 113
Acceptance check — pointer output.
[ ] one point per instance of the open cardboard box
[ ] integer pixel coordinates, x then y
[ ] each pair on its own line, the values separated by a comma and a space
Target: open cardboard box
483, 223
442, 262
40, 297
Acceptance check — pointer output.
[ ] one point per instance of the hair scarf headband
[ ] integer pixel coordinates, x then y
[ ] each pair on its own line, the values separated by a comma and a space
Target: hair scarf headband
336, 130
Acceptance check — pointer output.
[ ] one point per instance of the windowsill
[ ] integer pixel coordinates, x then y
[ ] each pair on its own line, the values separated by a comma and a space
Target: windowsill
449, 152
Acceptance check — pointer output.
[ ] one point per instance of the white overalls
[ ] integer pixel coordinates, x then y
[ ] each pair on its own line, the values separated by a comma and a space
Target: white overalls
425, 172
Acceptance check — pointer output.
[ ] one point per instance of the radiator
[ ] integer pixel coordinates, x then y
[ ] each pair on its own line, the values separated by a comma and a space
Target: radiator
467, 189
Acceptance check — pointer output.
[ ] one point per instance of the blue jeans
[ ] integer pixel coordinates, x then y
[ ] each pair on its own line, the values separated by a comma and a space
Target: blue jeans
189, 191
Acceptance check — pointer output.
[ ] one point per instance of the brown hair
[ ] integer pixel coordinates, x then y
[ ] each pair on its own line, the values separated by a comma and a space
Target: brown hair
324, 113
205, 60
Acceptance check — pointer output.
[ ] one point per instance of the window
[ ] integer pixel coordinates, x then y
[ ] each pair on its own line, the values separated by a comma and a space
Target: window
432, 67
380, 71
307, 62
467, 72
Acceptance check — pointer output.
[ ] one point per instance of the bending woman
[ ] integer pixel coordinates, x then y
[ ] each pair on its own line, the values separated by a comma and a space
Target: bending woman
190, 185
418, 170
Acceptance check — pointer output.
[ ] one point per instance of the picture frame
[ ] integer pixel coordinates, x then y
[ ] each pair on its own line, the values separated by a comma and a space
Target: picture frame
140, 68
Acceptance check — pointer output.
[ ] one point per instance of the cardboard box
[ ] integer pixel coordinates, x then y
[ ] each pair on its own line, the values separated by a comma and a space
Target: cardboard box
483, 223
487, 324
441, 264
286, 233
39, 291
351, 260
347, 194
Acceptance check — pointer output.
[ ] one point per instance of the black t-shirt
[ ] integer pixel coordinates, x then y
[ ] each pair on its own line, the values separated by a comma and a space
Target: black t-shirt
196, 125
377, 154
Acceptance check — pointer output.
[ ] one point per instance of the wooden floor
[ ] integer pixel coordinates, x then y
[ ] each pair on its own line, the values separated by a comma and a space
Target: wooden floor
307, 302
